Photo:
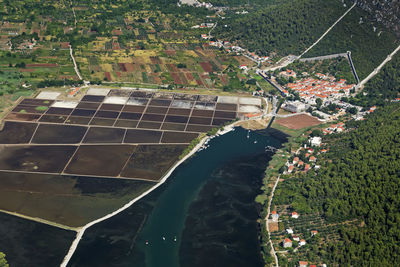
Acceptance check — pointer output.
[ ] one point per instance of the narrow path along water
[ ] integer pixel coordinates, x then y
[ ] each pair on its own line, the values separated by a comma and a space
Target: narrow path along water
149, 233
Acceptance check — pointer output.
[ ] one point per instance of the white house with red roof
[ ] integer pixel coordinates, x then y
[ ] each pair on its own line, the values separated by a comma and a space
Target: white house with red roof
295, 215
287, 243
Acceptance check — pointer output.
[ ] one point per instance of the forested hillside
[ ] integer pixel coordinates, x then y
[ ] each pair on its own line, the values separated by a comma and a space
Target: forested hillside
286, 28
358, 182
383, 87
369, 41
385, 11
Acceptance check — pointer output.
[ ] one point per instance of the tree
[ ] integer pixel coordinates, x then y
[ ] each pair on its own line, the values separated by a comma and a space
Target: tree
318, 101
352, 110
3, 262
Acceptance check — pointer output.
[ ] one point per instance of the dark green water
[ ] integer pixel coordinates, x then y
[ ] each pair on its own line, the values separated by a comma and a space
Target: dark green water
212, 194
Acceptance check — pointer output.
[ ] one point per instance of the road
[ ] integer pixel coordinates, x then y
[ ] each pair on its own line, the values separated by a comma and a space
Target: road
273, 252
71, 52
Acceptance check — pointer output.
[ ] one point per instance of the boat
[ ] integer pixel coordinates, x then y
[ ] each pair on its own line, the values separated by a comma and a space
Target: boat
174, 238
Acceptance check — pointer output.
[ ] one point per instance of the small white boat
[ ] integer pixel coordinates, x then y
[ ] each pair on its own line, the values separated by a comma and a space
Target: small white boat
163, 238
174, 238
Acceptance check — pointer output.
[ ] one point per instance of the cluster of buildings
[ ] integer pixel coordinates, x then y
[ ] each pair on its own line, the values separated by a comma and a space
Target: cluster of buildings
204, 25
334, 128
308, 161
238, 50
195, 3
323, 87
288, 242
305, 264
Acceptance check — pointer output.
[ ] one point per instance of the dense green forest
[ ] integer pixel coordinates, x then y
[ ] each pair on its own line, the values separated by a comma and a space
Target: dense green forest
385, 86
369, 42
359, 181
286, 28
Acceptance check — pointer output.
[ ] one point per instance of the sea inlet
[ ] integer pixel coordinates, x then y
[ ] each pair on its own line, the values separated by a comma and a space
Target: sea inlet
204, 215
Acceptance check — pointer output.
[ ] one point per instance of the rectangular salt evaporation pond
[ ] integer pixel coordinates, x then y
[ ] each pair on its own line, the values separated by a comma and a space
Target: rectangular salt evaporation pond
153, 117
104, 135
48, 95
156, 110
228, 99
93, 98
178, 137
58, 134
98, 91
225, 114
146, 94
128, 108
203, 113
249, 109
51, 159
100, 160
149, 125
173, 126
182, 104
53, 118
65, 104
189, 97
120, 92
130, 116
160, 102
176, 119
204, 105
220, 121
88, 105
207, 98
162, 95
102, 122
36, 102
227, 107
111, 107
200, 120
135, 136
30, 109
59, 111
198, 128
106, 114
17, 132
150, 162
179, 111
137, 101
116, 100
22, 117
250, 101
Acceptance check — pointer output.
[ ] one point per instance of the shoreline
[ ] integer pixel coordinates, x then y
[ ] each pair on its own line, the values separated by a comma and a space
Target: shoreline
82, 230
